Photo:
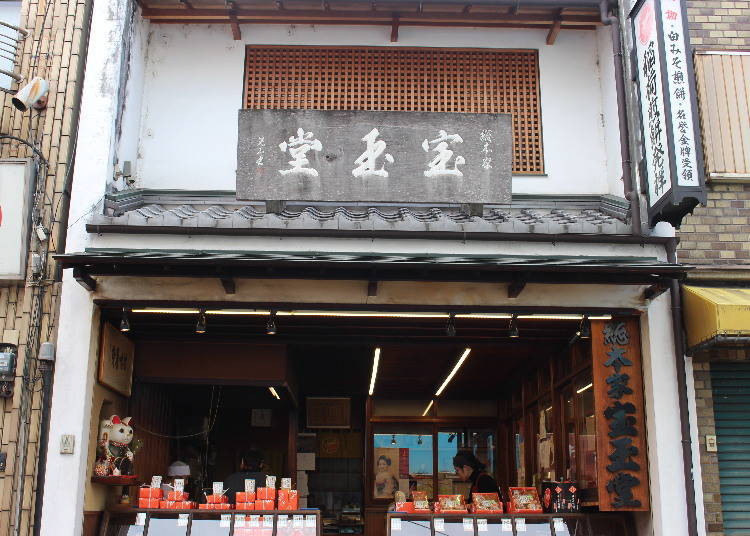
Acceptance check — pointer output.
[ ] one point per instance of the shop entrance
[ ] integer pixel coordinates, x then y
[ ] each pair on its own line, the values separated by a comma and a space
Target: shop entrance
302, 388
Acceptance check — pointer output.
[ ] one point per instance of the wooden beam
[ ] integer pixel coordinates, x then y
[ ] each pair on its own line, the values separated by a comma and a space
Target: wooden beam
187, 4
555, 29
515, 288
84, 279
394, 28
233, 22
654, 291
228, 284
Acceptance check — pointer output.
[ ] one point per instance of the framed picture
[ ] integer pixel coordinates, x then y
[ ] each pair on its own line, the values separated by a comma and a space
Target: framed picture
116, 356
386, 473
329, 412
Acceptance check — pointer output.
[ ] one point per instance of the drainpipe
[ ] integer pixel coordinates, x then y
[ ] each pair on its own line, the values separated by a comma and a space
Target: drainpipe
629, 184
679, 347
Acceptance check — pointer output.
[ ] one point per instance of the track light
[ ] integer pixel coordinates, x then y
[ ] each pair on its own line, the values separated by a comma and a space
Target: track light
393, 439
200, 326
124, 322
271, 324
513, 328
419, 439
584, 330
450, 327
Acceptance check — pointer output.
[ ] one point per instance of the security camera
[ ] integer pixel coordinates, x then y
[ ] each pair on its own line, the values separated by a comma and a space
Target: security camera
33, 94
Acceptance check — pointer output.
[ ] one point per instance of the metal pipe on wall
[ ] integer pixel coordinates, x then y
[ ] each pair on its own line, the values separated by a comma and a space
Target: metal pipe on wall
679, 348
629, 183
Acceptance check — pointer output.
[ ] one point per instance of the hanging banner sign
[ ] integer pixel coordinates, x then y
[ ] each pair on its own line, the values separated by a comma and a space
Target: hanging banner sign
672, 167
622, 466
15, 217
368, 156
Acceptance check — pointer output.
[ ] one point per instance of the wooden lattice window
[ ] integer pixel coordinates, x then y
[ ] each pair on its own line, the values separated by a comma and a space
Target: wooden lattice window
407, 79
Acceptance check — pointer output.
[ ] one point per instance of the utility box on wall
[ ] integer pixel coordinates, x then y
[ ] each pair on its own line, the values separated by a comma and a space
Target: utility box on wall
16, 187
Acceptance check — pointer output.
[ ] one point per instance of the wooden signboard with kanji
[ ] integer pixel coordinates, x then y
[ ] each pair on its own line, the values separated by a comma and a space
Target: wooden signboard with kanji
622, 464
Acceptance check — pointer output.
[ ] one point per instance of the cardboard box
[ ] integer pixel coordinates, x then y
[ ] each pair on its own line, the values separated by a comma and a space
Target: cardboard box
288, 499
245, 506
524, 501
406, 507
264, 505
265, 494
217, 499
244, 497
150, 493
178, 496
148, 503
486, 503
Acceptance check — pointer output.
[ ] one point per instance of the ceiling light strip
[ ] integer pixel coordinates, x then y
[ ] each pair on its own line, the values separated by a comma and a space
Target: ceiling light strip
375, 362
584, 388
427, 409
274, 393
453, 372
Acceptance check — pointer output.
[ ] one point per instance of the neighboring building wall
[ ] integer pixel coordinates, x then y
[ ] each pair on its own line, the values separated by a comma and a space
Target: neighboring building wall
57, 30
719, 24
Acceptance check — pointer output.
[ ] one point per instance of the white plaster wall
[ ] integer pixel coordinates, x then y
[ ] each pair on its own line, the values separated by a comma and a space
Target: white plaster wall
193, 89
609, 118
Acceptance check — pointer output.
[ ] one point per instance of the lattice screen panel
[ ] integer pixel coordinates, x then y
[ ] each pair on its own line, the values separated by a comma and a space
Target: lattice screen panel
437, 80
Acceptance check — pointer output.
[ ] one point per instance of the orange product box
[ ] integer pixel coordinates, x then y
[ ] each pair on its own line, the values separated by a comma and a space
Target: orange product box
216, 499
223, 506
150, 493
288, 499
524, 500
265, 494
166, 505
244, 497
405, 506
205, 506
486, 503
264, 505
451, 503
245, 506
148, 503
177, 496
183, 505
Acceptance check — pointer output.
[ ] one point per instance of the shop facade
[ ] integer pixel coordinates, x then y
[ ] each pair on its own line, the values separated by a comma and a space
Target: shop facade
386, 189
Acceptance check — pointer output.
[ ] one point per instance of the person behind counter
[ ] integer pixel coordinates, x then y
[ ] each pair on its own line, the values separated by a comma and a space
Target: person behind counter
470, 469
250, 467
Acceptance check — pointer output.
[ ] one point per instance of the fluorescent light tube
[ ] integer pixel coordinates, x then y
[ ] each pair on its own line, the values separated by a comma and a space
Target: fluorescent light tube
375, 362
453, 372
274, 393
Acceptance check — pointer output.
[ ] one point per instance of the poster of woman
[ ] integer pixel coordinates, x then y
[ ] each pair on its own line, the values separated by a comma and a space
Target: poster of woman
386, 473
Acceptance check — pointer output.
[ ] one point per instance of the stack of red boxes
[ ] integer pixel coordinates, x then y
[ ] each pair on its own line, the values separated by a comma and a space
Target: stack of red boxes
149, 497
265, 497
217, 500
288, 497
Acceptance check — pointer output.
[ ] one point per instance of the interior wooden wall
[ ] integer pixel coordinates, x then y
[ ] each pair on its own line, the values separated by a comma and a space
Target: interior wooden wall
152, 409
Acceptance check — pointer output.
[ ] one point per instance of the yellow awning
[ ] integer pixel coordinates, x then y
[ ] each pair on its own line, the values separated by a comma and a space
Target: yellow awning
715, 311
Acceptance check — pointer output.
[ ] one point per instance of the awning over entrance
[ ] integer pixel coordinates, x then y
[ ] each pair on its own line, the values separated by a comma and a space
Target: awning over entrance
716, 316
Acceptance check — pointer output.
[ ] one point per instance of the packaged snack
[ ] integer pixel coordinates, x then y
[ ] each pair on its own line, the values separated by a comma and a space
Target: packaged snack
418, 495
249, 485
560, 497
288, 499
166, 505
524, 501
223, 506
406, 507
177, 496
452, 503
148, 503
245, 506
486, 503
265, 494
150, 493
205, 506
244, 497
264, 504
216, 499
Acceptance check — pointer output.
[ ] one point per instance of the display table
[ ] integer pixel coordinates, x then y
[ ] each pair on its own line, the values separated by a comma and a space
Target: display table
594, 524
146, 522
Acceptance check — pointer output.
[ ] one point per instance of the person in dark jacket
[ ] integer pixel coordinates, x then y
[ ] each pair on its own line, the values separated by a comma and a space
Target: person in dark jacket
470, 469
250, 467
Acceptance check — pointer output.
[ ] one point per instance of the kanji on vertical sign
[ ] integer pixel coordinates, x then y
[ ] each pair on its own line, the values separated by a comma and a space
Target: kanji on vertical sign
622, 468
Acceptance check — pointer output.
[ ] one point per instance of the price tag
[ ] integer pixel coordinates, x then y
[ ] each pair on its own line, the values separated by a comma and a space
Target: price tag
559, 525
140, 519
156, 481
506, 525
482, 525
267, 522
218, 488
298, 521
282, 521
226, 520
271, 482
254, 521
310, 521
468, 524
179, 484
286, 483
520, 524
249, 485
439, 524
182, 520
239, 520
395, 524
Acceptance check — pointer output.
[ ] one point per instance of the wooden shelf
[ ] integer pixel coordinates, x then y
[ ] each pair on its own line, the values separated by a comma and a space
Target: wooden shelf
131, 480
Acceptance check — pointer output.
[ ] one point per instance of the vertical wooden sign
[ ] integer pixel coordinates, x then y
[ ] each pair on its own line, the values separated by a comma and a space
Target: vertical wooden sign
622, 465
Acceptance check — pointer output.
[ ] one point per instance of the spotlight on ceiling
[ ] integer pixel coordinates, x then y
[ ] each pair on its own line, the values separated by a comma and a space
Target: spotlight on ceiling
513, 328
450, 327
271, 324
200, 326
584, 330
124, 322
393, 439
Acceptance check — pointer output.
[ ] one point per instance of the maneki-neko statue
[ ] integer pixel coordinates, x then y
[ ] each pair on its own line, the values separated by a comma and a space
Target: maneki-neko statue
114, 456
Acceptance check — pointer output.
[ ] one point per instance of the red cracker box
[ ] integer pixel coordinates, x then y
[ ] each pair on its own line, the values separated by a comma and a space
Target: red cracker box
524, 501
150, 493
245, 506
177, 496
166, 505
205, 506
264, 505
216, 499
148, 503
406, 507
223, 506
183, 505
451, 504
265, 494
244, 497
288, 499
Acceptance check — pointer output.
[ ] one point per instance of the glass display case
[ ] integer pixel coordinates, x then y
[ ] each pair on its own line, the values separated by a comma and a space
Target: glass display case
399, 524
207, 523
